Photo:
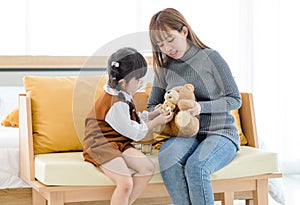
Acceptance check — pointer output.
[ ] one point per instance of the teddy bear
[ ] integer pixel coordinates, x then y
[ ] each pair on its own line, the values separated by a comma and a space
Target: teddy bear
178, 100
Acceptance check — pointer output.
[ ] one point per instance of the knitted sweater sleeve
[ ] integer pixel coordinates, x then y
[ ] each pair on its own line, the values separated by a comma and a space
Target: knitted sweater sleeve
230, 98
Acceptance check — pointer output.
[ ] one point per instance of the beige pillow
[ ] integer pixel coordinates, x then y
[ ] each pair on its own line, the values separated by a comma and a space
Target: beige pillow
59, 107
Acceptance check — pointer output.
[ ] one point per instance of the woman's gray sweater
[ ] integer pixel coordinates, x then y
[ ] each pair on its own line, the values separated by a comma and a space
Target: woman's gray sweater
215, 90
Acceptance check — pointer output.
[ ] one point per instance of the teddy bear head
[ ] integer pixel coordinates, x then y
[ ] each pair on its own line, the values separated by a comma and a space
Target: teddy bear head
168, 106
172, 96
183, 123
180, 92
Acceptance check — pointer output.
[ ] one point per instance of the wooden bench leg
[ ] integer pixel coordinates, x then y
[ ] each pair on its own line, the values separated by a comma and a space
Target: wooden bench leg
260, 195
37, 199
227, 198
56, 198
249, 202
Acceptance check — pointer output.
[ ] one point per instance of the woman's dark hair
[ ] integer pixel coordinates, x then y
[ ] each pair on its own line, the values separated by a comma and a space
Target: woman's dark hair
164, 21
126, 63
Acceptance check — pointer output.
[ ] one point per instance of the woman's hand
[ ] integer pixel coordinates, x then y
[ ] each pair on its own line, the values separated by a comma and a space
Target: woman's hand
195, 110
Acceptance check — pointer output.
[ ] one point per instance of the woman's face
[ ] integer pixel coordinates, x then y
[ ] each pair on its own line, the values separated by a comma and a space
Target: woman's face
174, 44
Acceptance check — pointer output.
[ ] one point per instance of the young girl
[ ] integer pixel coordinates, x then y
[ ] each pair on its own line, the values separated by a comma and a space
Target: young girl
113, 124
180, 58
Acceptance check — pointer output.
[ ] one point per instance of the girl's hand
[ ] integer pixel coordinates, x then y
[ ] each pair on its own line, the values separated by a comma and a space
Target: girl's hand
195, 110
161, 119
164, 117
155, 113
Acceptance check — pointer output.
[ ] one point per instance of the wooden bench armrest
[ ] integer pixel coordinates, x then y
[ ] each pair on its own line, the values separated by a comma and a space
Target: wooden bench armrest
26, 139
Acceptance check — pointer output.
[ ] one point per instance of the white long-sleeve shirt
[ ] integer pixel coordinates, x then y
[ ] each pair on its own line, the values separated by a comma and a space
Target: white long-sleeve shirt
119, 119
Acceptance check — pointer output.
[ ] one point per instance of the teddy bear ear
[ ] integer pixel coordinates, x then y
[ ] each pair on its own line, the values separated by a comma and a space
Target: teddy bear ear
190, 87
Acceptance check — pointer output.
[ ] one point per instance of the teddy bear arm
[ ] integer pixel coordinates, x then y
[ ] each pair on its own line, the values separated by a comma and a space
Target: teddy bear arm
170, 129
158, 106
186, 104
188, 124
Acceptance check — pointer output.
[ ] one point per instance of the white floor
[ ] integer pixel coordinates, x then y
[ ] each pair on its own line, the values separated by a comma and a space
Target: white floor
292, 189
289, 185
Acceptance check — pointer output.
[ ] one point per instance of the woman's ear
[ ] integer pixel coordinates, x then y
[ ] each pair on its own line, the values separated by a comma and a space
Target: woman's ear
185, 31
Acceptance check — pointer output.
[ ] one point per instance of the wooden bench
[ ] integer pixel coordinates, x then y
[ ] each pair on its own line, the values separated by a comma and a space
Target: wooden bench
251, 188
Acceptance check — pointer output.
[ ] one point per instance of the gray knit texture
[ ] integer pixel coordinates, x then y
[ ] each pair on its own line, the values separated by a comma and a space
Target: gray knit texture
215, 90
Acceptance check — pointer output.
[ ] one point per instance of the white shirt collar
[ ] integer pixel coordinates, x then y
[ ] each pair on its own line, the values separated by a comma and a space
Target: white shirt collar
115, 92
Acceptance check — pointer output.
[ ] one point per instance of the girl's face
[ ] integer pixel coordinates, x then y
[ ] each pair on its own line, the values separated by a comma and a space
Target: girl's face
132, 85
174, 43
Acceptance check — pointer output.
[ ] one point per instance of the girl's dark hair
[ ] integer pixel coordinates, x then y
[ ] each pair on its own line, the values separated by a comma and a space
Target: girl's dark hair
126, 63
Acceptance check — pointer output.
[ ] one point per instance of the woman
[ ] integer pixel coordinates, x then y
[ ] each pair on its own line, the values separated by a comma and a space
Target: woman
179, 57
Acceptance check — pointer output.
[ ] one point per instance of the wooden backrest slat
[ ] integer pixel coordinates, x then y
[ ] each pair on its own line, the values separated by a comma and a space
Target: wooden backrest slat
248, 122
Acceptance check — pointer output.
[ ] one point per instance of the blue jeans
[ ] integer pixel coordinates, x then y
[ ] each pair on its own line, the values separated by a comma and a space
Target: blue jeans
186, 165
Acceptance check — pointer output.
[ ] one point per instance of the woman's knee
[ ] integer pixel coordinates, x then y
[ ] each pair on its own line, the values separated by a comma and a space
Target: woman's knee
210, 157
196, 167
175, 151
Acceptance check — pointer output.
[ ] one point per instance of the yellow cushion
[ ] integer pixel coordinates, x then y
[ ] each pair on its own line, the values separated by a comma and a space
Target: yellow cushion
12, 119
59, 107
237, 119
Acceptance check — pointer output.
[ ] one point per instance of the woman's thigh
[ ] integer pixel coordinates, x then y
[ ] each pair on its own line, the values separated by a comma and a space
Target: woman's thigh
176, 150
212, 154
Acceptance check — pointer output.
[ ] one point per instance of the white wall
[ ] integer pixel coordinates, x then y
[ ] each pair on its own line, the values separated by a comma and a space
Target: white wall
276, 79
65, 27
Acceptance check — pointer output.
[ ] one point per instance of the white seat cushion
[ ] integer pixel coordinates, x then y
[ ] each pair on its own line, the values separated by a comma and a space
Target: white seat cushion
249, 161
70, 169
